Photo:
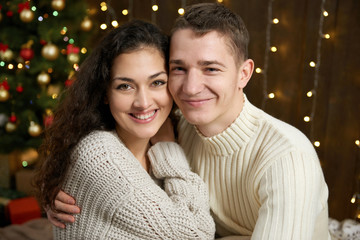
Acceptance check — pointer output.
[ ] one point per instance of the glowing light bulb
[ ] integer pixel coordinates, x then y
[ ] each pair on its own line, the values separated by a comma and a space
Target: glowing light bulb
271, 95
125, 12
258, 70
273, 49
115, 23
275, 21
309, 93
155, 8
312, 64
83, 50
24, 163
325, 13
103, 26
357, 142
317, 144
181, 11
10, 66
353, 199
327, 36
103, 8
20, 65
307, 119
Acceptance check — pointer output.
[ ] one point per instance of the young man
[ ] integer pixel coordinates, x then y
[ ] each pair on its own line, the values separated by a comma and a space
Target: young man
264, 176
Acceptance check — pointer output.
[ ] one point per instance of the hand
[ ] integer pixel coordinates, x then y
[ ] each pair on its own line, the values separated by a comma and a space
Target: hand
165, 133
64, 206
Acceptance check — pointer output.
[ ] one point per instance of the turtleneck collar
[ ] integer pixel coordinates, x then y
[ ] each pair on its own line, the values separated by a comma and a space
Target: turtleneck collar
236, 135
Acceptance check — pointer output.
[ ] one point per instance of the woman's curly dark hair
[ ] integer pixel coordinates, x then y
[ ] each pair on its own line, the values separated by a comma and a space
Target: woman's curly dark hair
83, 109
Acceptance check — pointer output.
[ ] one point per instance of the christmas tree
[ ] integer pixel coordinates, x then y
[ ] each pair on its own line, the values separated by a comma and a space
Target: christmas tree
42, 44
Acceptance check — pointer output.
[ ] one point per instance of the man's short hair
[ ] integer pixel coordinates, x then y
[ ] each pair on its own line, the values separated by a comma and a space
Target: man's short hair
206, 17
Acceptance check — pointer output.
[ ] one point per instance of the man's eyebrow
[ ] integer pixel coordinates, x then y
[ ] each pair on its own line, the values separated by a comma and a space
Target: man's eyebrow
207, 63
176, 61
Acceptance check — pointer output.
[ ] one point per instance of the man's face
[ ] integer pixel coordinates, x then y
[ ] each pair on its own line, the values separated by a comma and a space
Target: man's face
205, 80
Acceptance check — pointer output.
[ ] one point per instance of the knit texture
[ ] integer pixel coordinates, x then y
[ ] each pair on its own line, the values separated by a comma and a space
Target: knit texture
120, 200
264, 178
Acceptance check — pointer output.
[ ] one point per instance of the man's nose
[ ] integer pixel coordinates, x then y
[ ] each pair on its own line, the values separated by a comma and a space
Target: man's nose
193, 83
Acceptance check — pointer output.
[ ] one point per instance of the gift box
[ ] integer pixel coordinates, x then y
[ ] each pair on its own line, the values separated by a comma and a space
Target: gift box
22, 210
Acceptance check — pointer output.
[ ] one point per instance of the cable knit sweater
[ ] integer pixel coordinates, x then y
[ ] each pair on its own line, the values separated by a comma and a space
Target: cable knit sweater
120, 200
264, 178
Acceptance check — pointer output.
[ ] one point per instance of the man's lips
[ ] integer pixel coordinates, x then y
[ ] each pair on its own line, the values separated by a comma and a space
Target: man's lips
196, 102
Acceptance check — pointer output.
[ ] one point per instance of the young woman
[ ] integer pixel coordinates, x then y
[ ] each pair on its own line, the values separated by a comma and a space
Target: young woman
98, 148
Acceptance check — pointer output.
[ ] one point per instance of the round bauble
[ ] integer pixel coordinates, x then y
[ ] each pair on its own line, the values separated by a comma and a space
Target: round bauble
10, 127
27, 53
26, 15
86, 24
34, 129
43, 78
7, 56
58, 5
50, 51
73, 58
4, 94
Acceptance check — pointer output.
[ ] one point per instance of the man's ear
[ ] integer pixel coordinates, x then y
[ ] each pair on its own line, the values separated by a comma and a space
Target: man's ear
245, 72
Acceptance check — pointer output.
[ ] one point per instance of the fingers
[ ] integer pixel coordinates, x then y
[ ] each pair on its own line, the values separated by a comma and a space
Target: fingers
65, 198
60, 206
56, 218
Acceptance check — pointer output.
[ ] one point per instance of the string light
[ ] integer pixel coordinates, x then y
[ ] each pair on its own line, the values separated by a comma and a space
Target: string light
327, 36
83, 50
309, 93
155, 7
273, 49
181, 11
20, 65
115, 23
357, 142
219, 1
10, 66
103, 26
307, 119
271, 95
325, 13
125, 12
317, 144
312, 64
55, 13
275, 21
258, 70
103, 6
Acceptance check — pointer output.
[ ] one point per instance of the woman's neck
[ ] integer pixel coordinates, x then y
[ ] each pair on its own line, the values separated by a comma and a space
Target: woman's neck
138, 147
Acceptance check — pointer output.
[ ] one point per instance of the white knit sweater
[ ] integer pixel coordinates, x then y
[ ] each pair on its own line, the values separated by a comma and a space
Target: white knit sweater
264, 178
120, 200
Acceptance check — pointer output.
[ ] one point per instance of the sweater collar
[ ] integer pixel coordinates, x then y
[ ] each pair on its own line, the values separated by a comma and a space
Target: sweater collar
236, 135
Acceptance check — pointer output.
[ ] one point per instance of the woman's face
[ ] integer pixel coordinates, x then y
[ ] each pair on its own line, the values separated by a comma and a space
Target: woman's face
138, 96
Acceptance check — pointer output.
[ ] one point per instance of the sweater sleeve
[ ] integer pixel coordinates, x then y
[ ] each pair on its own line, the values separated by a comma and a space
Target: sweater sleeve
119, 200
290, 192
183, 187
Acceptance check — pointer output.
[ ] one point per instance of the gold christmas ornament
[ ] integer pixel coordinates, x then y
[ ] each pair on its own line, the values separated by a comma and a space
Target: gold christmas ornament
50, 51
73, 58
26, 15
34, 129
86, 24
7, 56
43, 78
58, 5
4, 94
10, 127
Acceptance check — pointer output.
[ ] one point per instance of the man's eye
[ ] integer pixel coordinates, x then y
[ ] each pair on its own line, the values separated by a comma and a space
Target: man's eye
212, 69
177, 69
123, 87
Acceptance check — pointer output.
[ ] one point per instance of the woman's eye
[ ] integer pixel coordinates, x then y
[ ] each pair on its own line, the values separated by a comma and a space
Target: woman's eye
158, 83
123, 87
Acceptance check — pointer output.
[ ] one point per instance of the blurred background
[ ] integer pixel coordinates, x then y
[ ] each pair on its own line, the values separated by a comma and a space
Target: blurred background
306, 54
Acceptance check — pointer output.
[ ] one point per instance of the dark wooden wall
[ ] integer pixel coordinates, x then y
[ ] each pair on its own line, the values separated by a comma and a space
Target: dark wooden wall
336, 122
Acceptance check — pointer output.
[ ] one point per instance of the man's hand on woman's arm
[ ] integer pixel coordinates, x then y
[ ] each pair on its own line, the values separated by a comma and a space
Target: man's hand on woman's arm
64, 206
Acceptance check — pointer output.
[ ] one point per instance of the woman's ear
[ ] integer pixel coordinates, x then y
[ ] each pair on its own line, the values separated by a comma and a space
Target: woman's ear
245, 72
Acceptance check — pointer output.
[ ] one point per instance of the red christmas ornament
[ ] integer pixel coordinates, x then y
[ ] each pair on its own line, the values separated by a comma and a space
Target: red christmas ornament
3, 47
23, 6
19, 89
27, 53
5, 85
13, 118
9, 13
68, 82
48, 120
